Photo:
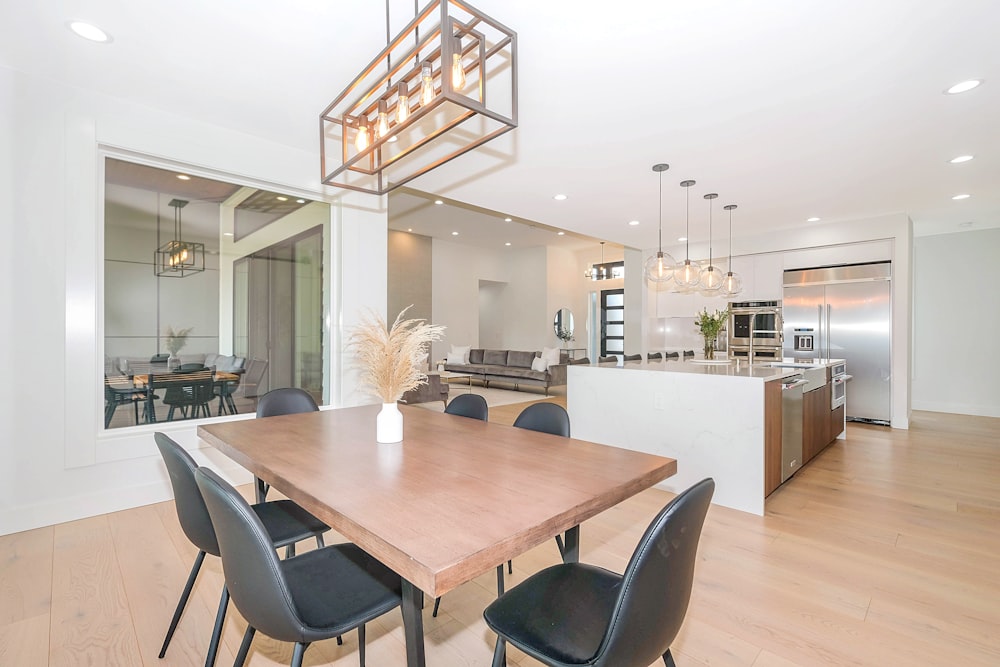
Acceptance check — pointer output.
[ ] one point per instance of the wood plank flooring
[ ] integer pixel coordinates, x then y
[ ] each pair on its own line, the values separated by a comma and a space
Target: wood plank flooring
883, 551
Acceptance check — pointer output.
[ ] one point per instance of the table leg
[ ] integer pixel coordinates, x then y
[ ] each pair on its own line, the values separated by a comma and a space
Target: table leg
413, 624
571, 550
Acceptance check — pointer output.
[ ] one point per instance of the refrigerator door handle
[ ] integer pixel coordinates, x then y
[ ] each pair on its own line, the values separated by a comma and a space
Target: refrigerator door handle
829, 332
819, 328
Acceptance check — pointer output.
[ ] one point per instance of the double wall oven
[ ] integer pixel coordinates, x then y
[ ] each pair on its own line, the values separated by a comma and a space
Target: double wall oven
756, 326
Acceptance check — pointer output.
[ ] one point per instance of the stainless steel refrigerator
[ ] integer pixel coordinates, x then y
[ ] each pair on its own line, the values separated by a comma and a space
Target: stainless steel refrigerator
845, 312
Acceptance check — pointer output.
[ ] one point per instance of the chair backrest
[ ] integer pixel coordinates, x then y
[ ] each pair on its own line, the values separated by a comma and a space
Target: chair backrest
656, 586
688, 353
190, 368
191, 510
545, 417
190, 388
253, 573
672, 355
285, 401
633, 357
654, 356
604, 360
250, 387
581, 360
468, 405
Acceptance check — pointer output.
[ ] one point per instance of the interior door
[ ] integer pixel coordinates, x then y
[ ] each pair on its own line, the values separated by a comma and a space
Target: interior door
612, 322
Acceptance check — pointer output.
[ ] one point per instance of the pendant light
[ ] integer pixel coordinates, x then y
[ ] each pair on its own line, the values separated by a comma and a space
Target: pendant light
710, 279
659, 268
686, 274
178, 258
731, 284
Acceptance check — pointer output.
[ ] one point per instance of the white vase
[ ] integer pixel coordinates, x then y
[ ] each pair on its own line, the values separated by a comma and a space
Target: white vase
389, 424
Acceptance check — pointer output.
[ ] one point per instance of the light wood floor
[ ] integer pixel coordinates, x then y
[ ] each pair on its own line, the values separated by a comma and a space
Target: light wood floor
883, 551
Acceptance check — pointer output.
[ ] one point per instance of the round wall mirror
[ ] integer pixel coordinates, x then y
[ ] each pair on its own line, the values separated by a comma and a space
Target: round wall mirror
563, 324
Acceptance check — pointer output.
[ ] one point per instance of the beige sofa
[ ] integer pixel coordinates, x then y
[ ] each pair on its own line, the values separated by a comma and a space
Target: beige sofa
510, 366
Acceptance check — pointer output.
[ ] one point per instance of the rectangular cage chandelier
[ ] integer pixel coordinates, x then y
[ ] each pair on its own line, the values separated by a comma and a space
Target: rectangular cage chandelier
178, 258
443, 86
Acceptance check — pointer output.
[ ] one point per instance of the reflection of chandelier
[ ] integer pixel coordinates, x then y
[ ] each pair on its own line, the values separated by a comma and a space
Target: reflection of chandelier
444, 85
605, 270
178, 258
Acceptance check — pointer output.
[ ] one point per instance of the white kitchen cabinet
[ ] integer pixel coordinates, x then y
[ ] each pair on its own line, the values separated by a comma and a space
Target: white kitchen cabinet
768, 277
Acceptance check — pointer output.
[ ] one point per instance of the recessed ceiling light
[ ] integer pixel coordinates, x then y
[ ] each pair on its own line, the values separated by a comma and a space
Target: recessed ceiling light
507, 243
300, 201
89, 31
960, 159
962, 196
409, 229
438, 202
184, 177
963, 87
454, 233
227, 233
508, 220
280, 198
812, 219
560, 233
633, 223
560, 197
682, 238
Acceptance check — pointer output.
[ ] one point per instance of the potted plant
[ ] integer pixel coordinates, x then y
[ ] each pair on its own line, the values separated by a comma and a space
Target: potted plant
565, 335
390, 360
710, 326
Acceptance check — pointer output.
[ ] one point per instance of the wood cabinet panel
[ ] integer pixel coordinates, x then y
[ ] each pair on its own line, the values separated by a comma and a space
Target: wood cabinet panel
772, 436
815, 424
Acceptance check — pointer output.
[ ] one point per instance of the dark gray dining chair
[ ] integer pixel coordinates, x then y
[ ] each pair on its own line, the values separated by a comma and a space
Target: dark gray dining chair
544, 417
671, 355
285, 523
606, 360
654, 356
468, 405
633, 357
284, 401
577, 614
318, 595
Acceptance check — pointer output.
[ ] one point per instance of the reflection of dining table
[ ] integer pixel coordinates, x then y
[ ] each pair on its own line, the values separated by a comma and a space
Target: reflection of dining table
456, 498
220, 379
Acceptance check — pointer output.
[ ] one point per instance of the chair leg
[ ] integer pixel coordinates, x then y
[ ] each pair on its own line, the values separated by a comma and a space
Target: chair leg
559, 543
319, 541
340, 640
668, 659
298, 653
260, 490
437, 603
510, 567
500, 653
199, 559
241, 657
290, 551
499, 579
361, 643
220, 620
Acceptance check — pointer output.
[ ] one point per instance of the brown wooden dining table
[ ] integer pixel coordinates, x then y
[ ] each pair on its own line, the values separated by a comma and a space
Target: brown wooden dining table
456, 498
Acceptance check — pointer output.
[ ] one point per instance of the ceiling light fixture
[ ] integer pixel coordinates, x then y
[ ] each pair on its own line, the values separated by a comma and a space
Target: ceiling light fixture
454, 233
508, 219
962, 196
732, 284
560, 197
812, 219
633, 223
963, 87
960, 159
184, 177
686, 275
89, 31
659, 268
465, 64
560, 233
710, 279
438, 202
178, 258
507, 243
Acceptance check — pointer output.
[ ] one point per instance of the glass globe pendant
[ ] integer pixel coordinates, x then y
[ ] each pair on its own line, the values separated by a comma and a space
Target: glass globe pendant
710, 279
686, 274
659, 268
732, 284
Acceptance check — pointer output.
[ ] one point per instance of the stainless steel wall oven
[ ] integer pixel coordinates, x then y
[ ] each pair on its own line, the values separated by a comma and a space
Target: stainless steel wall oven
755, 324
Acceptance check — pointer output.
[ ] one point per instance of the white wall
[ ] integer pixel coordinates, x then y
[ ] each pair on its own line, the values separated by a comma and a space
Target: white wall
956, 314
57, 462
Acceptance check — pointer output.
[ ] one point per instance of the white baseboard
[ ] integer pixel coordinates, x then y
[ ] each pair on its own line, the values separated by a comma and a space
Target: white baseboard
958, 408
103, 501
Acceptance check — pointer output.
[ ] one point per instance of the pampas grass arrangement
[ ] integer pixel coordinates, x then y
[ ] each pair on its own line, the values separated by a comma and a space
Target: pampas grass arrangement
390, 357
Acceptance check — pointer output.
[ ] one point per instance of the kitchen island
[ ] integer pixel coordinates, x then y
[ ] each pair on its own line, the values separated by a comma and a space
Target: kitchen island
719, 420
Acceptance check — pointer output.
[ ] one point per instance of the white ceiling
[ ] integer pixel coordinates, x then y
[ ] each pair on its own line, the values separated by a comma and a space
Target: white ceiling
790, 109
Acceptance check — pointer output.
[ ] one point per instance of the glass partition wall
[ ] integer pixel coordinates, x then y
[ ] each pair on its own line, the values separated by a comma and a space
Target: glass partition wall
207, 341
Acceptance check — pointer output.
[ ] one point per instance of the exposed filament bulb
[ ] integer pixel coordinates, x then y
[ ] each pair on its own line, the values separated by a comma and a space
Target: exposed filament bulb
457, 70
426, 84
402, 103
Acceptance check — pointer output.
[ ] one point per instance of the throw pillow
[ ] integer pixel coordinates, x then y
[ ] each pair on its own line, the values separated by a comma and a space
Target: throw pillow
538, 364
462, 350
550, 355
455, 358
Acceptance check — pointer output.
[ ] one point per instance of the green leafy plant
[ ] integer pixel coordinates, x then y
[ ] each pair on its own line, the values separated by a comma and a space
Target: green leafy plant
711, 325
176, 340
565, 335
390, 357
